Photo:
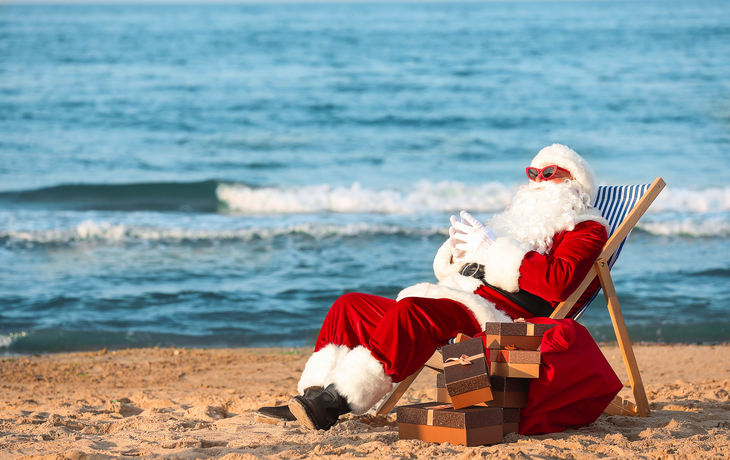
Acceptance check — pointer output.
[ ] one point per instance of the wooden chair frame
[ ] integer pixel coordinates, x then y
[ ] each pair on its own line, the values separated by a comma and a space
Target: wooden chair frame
600, 268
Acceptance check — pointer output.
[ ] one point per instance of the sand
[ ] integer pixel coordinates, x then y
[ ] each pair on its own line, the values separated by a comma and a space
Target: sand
194, 403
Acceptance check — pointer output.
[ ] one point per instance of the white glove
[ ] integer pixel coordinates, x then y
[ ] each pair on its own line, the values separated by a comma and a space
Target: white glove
473, 236
457, 254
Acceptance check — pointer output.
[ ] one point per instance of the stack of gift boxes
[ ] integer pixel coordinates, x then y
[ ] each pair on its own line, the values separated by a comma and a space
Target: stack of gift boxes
481, 390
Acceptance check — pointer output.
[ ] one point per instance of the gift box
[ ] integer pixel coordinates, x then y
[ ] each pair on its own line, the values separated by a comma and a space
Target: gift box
511, 420
523, 364
442, 395
466, 373
470, 426
511, 400
506, 392
520, 334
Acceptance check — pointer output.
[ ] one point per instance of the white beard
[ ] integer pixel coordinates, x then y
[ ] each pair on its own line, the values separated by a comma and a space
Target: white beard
539, 211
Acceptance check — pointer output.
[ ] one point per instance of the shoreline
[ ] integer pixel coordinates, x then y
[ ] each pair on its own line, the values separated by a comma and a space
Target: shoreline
4, 355
200, 403
54, 340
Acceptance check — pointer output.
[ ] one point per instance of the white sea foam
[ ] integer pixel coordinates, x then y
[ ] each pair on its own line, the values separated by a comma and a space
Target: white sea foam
90, 231
676, 212
8, 339
104, 232
424, 197
681, 200
718, 226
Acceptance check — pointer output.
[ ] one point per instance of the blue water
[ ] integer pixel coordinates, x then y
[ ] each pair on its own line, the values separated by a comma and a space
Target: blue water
218, 175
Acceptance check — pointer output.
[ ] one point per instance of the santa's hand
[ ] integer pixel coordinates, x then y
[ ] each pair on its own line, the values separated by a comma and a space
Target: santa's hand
473, 236
457, 254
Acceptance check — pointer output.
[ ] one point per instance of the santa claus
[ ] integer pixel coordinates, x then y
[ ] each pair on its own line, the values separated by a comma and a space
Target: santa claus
520, 264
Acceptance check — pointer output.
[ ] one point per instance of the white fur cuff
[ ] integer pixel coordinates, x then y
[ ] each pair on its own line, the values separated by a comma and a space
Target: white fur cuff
443, 266
593, 215
503, 261
320, 364
361, 379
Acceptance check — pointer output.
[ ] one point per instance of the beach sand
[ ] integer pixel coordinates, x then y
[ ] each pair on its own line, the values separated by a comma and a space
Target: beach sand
195, 403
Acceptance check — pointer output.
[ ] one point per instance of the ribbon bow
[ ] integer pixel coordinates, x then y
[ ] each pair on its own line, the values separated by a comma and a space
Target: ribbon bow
464, 360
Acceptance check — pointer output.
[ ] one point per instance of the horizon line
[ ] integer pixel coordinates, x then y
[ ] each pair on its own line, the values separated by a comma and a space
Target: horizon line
265, 2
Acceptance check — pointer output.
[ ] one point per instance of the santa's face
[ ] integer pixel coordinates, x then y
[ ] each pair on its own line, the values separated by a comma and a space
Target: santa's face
557, 178
555, 174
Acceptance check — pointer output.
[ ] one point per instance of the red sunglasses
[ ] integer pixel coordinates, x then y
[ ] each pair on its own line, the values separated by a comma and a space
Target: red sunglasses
545, 173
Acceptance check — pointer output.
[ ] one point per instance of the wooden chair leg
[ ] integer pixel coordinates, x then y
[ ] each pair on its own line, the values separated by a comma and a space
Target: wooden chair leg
435, 362
390, 401
622, 336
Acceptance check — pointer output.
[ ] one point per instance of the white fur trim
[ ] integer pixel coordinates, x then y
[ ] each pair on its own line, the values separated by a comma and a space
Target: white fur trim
594, 215
567, 158
502, 263
361, 379
443, 265
461, 289
320, 364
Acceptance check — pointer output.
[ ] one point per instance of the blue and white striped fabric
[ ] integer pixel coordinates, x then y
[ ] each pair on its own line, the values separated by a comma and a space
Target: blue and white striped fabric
615, 202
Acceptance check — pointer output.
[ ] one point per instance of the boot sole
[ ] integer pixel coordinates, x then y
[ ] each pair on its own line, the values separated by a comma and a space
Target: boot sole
280, 413
301, 412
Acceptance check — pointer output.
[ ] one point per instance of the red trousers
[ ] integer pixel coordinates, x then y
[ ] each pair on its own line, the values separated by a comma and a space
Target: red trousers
401, 335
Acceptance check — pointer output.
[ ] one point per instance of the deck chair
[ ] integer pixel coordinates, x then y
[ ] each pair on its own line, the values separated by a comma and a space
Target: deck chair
622, 207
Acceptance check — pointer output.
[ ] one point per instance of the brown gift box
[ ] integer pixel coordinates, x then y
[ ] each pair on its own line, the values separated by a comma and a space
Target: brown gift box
521, 334
506, 392
511, 420
433, 422
466, 373
514, 399
515, 363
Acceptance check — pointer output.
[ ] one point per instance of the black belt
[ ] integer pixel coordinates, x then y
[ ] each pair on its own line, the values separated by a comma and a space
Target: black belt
530, 302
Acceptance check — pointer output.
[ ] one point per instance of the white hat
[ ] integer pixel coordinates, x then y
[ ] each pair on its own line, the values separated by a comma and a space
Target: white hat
567, 158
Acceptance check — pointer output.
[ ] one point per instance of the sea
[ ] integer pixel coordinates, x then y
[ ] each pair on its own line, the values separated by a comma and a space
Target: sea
217, 175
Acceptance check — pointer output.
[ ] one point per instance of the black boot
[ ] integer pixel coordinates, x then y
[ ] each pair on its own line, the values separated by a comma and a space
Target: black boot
321, 411
282, 413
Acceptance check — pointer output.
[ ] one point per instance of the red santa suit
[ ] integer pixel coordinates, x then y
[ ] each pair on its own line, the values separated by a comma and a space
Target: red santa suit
552, 276
368, 342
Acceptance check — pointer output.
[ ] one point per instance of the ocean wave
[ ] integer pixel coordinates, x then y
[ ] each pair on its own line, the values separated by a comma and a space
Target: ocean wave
426, 197
67, 340
91, 231
716, 226
680, 200
240, 198
156, 196
6, 340
423, 197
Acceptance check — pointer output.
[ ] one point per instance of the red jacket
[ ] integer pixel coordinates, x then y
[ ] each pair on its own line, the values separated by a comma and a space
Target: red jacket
556, 275
513, 266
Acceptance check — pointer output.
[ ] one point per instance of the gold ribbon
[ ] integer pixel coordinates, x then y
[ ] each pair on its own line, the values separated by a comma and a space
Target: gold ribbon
530, 330
464, 360
430, 409
530, 327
